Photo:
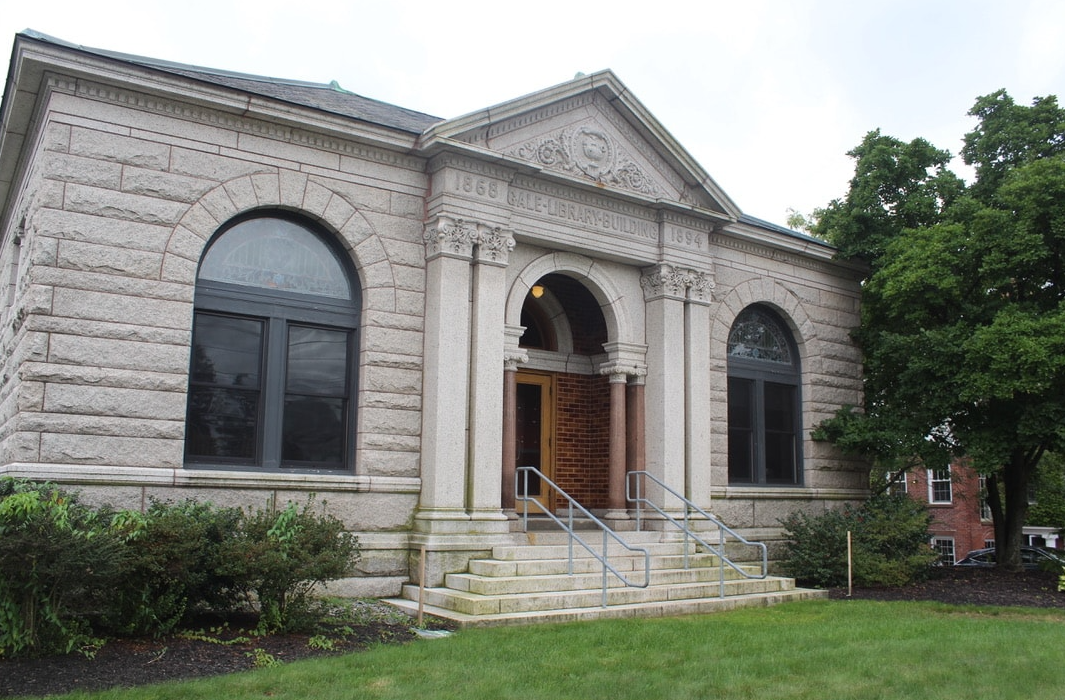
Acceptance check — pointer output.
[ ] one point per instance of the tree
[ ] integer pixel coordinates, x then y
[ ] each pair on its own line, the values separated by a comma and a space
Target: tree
963, 318
1049, 507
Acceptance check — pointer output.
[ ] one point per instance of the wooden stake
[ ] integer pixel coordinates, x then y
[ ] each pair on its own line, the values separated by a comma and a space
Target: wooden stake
421, 586
850, 565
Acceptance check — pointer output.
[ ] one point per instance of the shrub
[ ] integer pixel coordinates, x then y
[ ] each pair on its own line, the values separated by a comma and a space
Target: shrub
889, 536
58, 559
817, 548
172, 568
283, 555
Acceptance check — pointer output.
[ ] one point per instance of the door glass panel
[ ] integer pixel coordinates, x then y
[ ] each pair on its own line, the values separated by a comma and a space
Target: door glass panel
529, 416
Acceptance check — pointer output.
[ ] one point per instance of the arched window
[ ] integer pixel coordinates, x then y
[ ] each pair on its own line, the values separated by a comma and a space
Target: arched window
764, 416
273, 373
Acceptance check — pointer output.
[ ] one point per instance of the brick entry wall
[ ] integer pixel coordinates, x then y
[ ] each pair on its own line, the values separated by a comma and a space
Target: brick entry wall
582, 425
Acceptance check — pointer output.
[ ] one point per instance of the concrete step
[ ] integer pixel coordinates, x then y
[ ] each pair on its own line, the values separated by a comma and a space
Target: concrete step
562, 551
496, 584
477, 604
665, 608
584, 564
539, 581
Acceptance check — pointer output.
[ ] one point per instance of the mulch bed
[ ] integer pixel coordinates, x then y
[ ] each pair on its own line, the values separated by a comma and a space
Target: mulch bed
210, 650
131, 662
974, 586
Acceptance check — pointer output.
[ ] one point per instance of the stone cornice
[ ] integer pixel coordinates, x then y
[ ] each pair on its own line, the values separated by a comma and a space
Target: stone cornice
804, 257
535, 116
219, 116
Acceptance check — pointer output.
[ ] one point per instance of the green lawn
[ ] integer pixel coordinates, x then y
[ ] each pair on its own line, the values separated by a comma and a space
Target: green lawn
823, 650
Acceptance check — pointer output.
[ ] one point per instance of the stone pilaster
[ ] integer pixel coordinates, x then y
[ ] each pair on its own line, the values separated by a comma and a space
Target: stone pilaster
448, 252
486, 371
677, 373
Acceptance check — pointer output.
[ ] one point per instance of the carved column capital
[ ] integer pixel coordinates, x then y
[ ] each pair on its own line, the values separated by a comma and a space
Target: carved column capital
494, 244
621, 371
461, 238
450, 237
511, 360
665, 280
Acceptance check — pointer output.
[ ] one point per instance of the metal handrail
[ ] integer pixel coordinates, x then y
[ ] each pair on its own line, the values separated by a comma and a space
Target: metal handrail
523, 474
689, 507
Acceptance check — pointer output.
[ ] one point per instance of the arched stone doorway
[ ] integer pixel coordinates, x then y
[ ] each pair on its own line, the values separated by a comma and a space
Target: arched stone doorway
566, 400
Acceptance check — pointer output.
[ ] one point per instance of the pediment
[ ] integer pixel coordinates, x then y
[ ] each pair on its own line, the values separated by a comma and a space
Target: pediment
591, 131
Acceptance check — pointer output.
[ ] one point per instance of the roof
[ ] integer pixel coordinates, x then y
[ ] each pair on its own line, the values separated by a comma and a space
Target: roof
328, 97
332, 99
762, 223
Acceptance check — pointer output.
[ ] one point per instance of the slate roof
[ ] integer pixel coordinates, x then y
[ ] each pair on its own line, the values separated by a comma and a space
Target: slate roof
321, 96
326, 97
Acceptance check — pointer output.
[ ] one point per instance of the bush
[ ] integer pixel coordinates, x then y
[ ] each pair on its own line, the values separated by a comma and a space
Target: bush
889, 536
282, 556
58, 559
172, 567
64, 565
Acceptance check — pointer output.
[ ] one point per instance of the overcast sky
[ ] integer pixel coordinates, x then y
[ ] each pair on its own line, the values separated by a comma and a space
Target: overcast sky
767, 95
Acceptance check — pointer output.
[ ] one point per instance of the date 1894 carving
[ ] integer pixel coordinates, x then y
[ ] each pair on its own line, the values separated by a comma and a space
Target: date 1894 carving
686, 237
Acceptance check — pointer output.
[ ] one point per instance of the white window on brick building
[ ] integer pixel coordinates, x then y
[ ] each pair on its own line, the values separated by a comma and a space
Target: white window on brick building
939, 486
944, 547
896, 482
985, 509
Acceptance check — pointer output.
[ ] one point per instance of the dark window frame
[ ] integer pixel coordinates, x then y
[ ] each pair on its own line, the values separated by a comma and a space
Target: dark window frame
280, 311
751, 385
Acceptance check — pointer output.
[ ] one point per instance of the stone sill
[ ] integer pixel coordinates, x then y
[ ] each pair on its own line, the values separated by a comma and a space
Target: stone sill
105, 475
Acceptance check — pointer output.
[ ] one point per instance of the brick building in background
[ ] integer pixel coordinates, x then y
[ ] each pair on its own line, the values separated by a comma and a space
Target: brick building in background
961, 520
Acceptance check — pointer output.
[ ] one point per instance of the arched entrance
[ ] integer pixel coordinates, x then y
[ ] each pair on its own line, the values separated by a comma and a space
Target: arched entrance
567, 398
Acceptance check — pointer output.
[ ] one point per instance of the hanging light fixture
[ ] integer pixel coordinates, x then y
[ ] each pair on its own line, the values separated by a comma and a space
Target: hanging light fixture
537, 291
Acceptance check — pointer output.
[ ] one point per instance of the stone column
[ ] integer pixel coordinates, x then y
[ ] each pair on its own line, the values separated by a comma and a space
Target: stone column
664, 297
635, 459
698, 459
512, 358
448, 252
618, 422
625, 360
486, 372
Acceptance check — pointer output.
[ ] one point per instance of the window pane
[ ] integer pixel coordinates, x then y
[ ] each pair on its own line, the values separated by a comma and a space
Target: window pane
779, 408
757, 336
226, 350
780, 421
779, 458
313, 430
317, 361
221, 423
273, 253
740, 430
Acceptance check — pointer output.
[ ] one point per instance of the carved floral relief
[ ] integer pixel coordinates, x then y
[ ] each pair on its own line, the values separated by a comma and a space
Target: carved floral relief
591, 152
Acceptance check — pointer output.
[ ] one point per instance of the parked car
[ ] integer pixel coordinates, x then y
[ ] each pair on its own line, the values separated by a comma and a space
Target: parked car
1031, 558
